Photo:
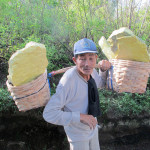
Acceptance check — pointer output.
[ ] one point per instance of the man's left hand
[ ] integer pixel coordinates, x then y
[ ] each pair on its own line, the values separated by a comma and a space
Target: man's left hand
104, 65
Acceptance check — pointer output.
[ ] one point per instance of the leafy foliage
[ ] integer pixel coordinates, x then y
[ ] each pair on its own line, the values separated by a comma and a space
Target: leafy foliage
125, 104
6, 102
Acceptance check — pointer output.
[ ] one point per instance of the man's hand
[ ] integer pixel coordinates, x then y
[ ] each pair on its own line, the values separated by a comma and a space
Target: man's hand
104, 65
88, 120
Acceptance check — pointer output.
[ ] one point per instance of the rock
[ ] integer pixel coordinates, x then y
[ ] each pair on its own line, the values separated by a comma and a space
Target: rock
27, 64
16, 146
2, 144
105, 46
123, 44
2, 127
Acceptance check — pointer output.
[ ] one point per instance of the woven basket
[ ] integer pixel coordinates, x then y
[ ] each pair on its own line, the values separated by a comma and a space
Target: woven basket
31, 95
128, 76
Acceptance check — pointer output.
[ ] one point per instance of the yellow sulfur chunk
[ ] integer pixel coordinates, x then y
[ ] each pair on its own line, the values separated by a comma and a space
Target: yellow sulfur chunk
123, 44
105, 46
27, 64
131, 48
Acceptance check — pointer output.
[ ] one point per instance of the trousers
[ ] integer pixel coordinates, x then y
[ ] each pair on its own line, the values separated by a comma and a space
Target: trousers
92, 144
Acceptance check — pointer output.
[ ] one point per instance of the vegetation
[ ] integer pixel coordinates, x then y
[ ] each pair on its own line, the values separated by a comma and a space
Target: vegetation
58, 24
125, 104
6, 102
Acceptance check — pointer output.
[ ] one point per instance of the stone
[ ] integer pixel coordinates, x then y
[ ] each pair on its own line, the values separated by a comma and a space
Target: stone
27, 64
123, 44
16, 145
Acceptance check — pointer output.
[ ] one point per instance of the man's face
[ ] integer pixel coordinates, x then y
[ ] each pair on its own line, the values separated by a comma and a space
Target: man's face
85, 63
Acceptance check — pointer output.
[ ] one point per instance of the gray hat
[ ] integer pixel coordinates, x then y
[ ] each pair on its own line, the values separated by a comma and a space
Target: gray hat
84, 46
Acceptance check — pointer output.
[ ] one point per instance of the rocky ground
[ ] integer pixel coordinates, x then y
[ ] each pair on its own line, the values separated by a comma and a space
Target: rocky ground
28, 131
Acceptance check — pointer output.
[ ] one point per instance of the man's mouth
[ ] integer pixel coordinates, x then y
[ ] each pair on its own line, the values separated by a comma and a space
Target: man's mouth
87, 69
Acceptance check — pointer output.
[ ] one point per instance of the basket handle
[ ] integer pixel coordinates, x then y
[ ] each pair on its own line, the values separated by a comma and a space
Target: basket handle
51, 74
110, 72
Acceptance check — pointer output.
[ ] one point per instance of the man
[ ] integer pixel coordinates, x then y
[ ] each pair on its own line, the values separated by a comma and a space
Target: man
72, 105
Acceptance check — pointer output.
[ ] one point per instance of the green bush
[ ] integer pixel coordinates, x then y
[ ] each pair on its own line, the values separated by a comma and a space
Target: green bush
124, 104
57, 58
6, 102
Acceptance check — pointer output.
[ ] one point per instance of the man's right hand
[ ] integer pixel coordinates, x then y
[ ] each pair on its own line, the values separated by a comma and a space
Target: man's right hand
88, 120
104, 65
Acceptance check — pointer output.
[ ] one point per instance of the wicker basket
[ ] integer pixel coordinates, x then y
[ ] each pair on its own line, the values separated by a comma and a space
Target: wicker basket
128, 76
31, 95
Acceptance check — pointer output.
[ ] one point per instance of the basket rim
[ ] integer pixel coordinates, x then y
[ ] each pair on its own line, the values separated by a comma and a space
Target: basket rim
26, 84
129, 61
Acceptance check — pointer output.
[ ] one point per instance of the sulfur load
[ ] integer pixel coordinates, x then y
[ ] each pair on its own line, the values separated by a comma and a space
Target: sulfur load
27, 64
123, 44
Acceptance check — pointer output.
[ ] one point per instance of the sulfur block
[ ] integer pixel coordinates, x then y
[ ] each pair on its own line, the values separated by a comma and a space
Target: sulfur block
123, 44
27, 64
105, 46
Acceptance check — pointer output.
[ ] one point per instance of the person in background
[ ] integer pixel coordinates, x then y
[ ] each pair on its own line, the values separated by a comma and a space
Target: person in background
75, 105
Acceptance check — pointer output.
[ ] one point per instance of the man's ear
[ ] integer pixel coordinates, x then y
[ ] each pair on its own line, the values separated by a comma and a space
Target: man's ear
74, 59
96, 56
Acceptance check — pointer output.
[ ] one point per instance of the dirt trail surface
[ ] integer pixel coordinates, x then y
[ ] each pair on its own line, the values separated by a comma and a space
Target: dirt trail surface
27, 132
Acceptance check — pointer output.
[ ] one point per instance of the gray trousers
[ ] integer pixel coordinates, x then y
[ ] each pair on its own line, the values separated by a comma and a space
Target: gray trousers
92, 144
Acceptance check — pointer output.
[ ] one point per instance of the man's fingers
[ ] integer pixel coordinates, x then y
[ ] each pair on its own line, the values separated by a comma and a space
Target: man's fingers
104, 65
88, 120
93, 123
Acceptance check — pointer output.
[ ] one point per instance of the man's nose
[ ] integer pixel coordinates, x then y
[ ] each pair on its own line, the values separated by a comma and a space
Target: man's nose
86, 62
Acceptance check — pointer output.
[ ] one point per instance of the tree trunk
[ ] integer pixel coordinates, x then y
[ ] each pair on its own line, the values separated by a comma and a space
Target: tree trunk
131, 12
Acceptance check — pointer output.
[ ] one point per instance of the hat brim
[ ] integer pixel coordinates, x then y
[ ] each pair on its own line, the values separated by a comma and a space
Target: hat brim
83, 52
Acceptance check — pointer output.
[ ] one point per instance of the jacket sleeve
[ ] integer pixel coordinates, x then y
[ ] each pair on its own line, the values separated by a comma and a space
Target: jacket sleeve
54, 113
100, 78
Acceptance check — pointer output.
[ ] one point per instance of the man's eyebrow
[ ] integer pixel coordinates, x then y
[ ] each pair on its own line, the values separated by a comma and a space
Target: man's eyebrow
91, 54
82, 54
